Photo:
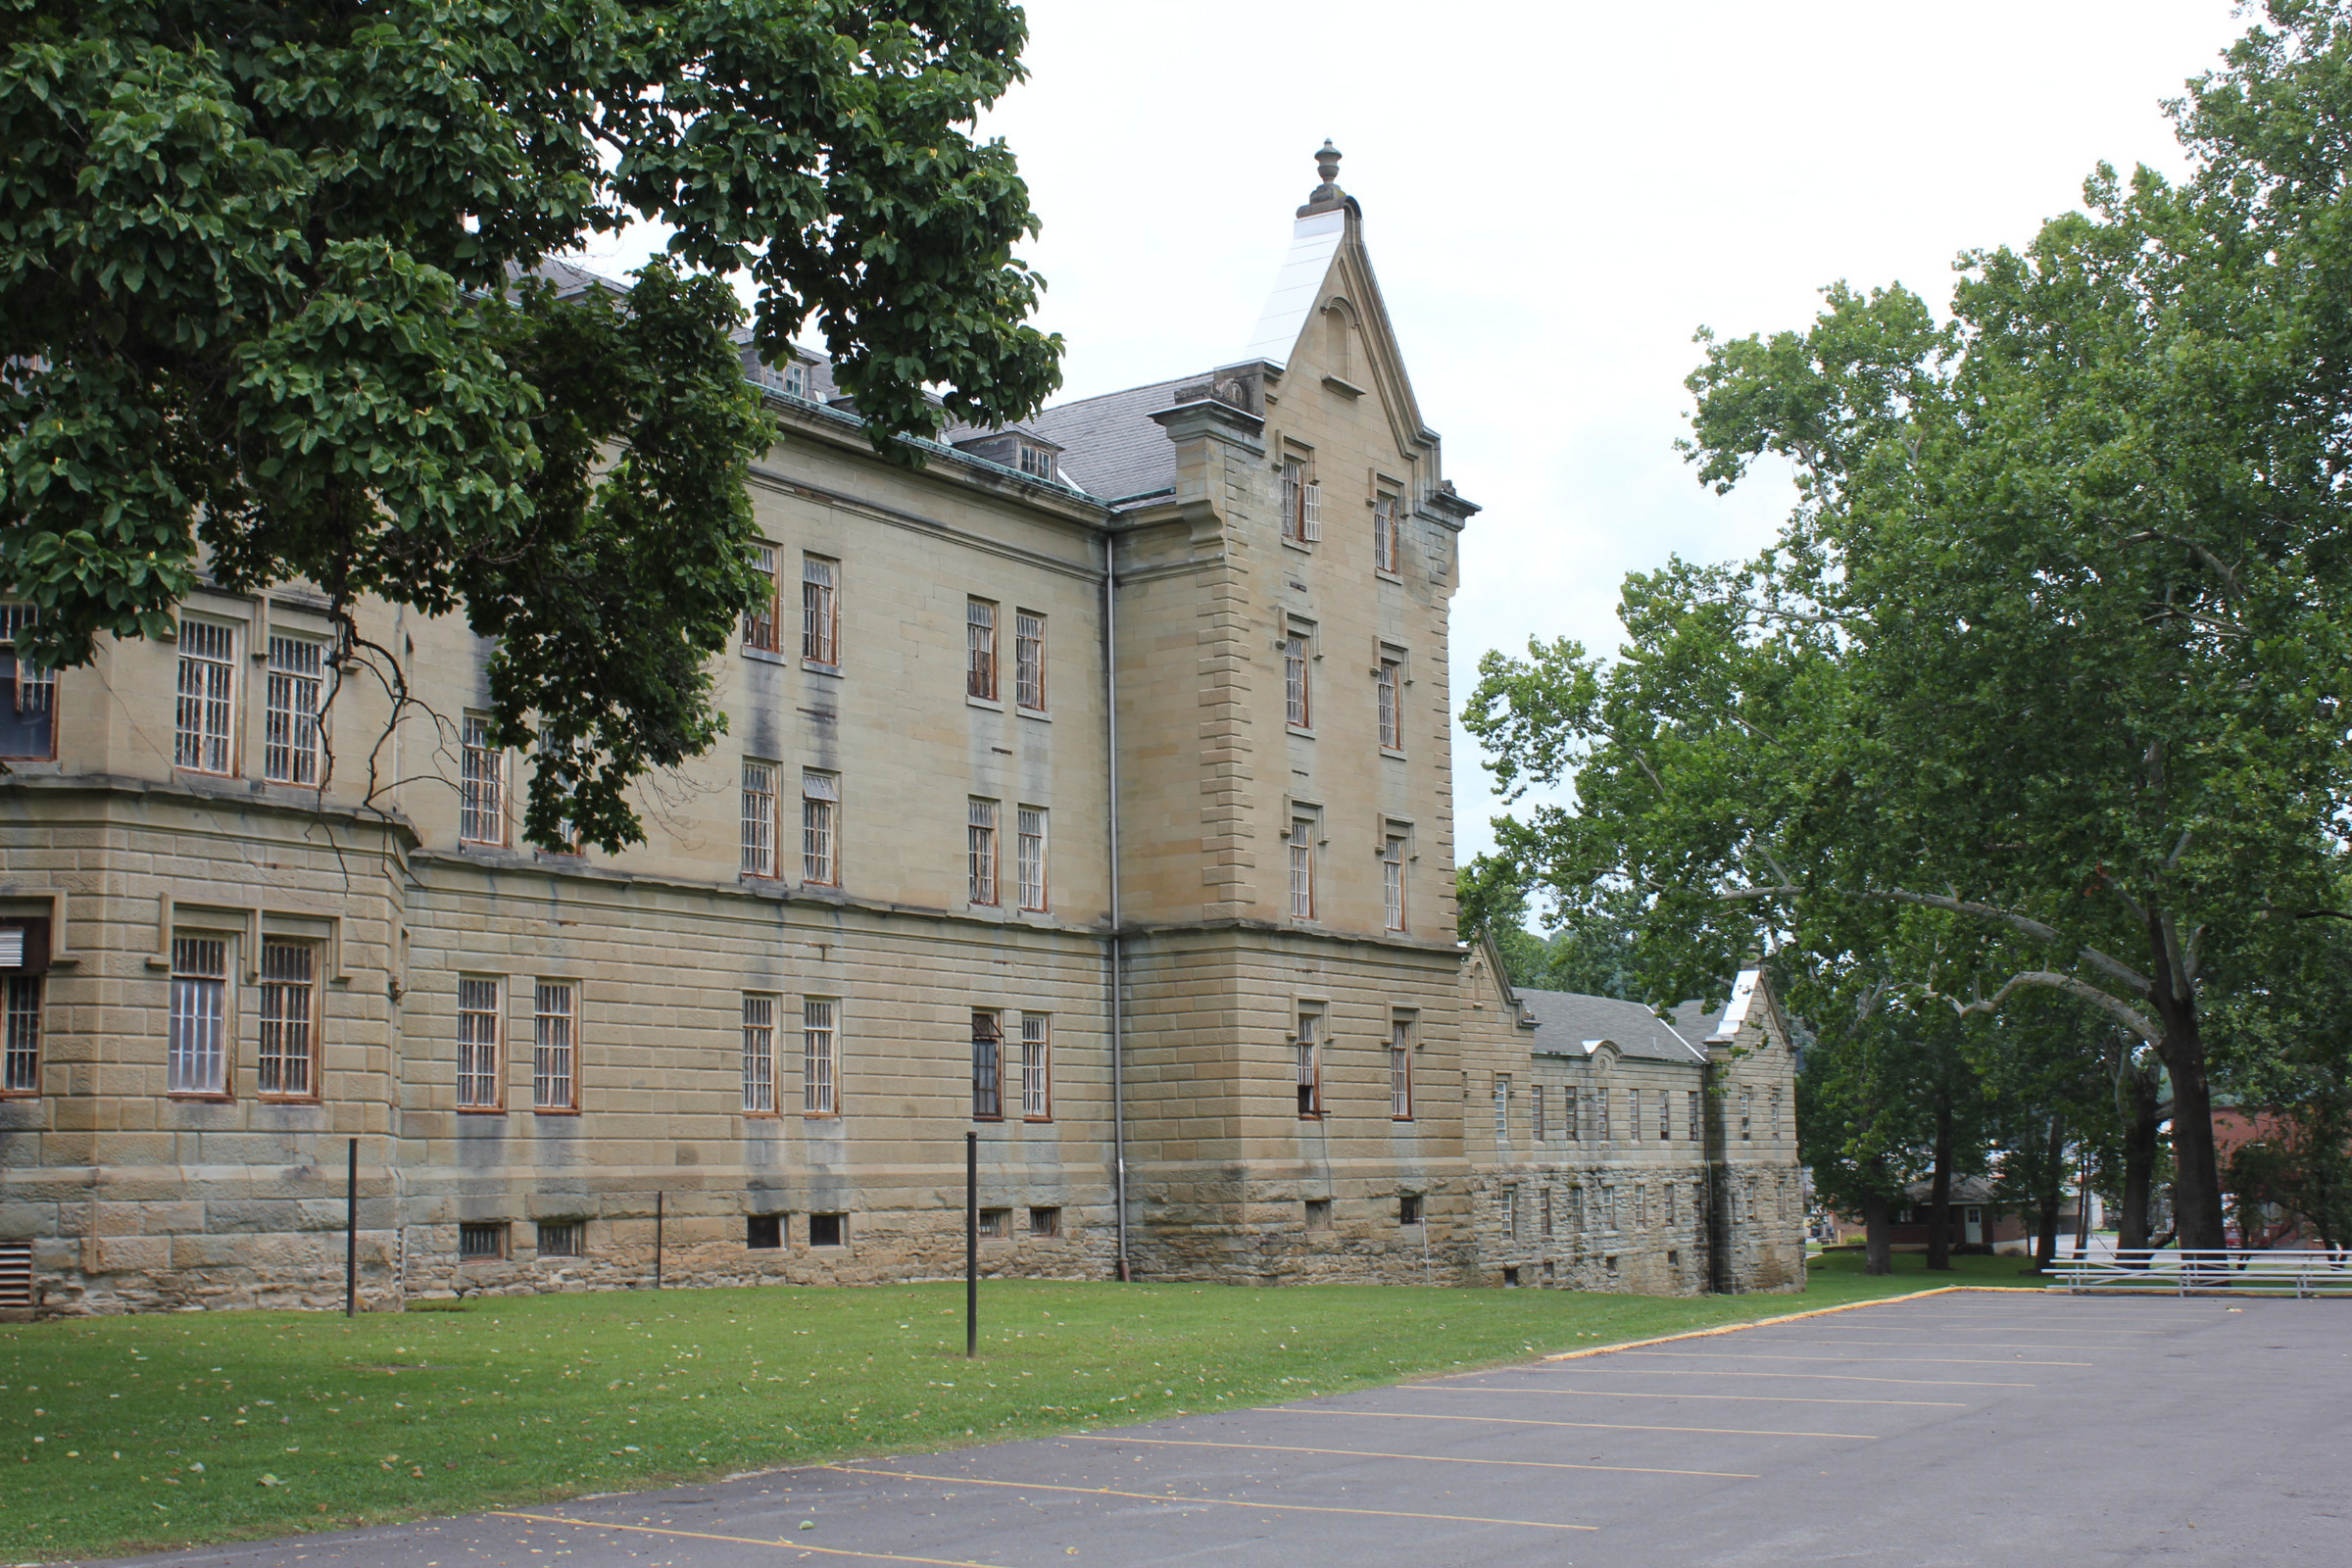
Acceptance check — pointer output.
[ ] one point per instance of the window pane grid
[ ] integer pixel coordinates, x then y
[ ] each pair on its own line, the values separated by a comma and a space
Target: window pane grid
553, 1046
1297, 708
482, 784
1401, 1071
208, 671
820, 829
1303, 868
1037, 1100
981, 835
821, 612
759, 819
21, 1068
1311, 1064
290, 741
980, 648
1391, 727
819, 1059
1392, 881
758, 1056
760, 621
988, 1084
288, 994
1033, 856
1383, 534
477, 1044
197, 1061
1029, 659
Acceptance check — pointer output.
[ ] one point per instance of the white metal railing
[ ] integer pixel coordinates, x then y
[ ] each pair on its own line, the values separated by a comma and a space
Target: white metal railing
2233, 1271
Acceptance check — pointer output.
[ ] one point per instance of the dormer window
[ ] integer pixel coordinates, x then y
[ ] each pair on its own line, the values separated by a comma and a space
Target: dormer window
795, 380
1037, 461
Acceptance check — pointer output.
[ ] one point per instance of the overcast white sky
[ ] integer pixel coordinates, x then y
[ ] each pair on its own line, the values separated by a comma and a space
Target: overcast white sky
1555, 196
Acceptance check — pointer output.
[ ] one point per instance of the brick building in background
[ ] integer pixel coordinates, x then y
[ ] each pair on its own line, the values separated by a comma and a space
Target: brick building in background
1089, 787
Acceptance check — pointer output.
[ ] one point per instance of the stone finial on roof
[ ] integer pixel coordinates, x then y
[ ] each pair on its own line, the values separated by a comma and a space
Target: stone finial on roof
1327, 195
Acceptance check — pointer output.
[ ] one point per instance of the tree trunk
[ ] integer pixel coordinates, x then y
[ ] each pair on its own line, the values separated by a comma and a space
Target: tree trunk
2196, 1168
2046, 1245
1939, 1193
2135, 1095
1878, 1236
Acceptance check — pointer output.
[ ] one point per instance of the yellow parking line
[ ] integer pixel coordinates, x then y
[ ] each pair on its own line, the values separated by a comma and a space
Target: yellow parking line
744, 1540
1419, 1459
1523, 1421
1221, 1503
1969, 1345
1819, 1377
1855, 1361
1623, 1394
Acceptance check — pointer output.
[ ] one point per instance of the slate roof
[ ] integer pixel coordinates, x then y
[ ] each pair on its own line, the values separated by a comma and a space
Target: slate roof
1110, 448
1567, 1019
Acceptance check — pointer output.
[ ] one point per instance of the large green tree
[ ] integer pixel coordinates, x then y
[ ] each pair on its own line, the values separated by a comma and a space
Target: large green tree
267, 312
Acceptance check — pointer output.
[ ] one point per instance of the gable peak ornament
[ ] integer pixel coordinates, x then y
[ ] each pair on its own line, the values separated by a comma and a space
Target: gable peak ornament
1327, 196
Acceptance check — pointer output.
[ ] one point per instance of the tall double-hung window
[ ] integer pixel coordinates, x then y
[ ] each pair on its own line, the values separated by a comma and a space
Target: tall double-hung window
196, 1048
28, 693
204, 728
980, 648
291, 741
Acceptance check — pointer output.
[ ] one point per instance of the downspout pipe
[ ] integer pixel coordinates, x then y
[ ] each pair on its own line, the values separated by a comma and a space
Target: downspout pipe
1118, 1009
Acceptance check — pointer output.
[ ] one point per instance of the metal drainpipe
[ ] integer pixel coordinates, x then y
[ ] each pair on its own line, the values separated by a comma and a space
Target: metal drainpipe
1118, 1018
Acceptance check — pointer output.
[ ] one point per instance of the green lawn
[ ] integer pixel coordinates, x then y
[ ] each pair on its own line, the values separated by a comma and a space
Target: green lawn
138, 1432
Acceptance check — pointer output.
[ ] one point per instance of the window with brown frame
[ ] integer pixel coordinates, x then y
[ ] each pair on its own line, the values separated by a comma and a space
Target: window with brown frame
1386, 550
1392, 881
555, 1045
760, 622
996, 1224
1297, 695
763, 1232
1502, 1109
1690, 1095
23, 977
980, 648
1389, 684
759, 826
562, 1237
980, 845
820, 1056
481, 783
197, 1047
1029, 659
1568, 1113
204, 726
820, 829
828, 1230
1037, 1066
28, 693
1535, 1113
820, 611
1045, 1223
1302, 866
758, 1055
291, 734
988, 1065
1310, 1065
1301, 504
482, 1241
1031, 859
1400, 1069
479, 1074
286, 1063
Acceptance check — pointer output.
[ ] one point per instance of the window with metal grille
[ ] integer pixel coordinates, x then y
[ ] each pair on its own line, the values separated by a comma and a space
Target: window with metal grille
981, 845
1310, 1065
758, 1056
20, 1064
1303, 868
820, 611
1037, 1066
1665, 1115
478, 1074
1392, 716
1745, 1097
1045, 1222
1392, 881
1400, 1069
15, 1274
197, 1052
763, 1232
290, 733
1510, 1213
1032, 855
1029, 659
828, 1230
1535, 1113
1301, 505
821, 1060
480, 1242
482, 784
286, 1063
564, 1237
1568, 1113
988, 1066
980, 648
203, 738
1383, 534
996, 1224
1692, 1097
1502, 1109
28, 693
758, 818
555, 1040
1408, 1209
760, 628
820, 829
1297, 709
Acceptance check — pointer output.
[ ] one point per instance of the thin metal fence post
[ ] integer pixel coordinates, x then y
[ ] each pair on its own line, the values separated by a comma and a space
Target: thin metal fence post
658, 1207
972, 1245
351, 1230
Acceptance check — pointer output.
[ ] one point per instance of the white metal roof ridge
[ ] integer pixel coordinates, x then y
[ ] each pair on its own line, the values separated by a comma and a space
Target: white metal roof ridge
1735, 1012
1314, 241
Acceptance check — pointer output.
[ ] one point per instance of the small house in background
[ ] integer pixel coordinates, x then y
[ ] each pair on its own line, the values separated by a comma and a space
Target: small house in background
1974, 1222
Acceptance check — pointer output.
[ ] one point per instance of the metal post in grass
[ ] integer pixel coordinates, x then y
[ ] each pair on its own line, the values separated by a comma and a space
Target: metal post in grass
972, 1245
657, 1206
351, 1230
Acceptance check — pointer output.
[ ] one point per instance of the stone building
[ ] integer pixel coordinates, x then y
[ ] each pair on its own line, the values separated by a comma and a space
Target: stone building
1088, 788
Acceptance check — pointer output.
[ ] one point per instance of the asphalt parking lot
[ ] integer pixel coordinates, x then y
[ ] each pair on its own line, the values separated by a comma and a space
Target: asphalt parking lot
1973, 1428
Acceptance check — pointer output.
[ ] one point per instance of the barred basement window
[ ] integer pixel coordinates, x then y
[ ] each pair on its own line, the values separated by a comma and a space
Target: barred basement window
15, 1274
482, 1243
27, 694
819, 1057
197, 1050
996, 1224
763, 1232
482, 784
758, 1056
828, 1230
980, 650
820, 829
554, 1021
820, 611
1319, 1213
1045, 1222
1036, 1060
479, 1073
758, 818
205, 717
1408, 1209
760, 621
1029, 659
980, 844
567, 1238
988, 1066
1031, 820
290, 750
286, 1065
